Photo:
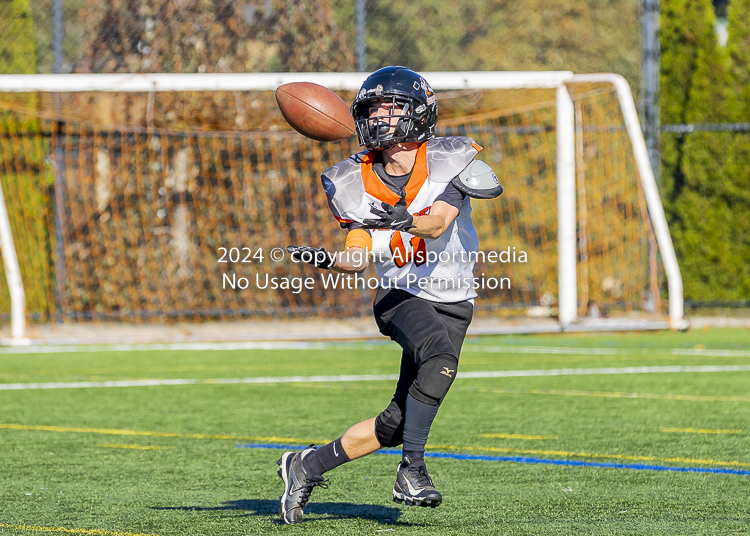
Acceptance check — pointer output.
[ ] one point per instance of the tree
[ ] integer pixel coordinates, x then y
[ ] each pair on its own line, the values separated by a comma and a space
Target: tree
686, 29
211, 36
485, 35
703, 217
738, 190
738, 48
189, 36
17, 51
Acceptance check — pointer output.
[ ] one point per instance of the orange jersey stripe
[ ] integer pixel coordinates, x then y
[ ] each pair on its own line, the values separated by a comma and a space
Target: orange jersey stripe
418, 174
375, 187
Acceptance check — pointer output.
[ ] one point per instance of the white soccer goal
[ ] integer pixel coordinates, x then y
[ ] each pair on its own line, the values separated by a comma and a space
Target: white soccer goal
161, 195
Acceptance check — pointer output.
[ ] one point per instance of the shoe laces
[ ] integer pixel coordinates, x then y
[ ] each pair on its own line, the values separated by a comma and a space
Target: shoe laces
420, 473
306, 489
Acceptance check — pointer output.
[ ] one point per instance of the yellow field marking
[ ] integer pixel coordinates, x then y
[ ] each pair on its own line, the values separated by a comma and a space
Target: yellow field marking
519, 436
565, 454
135, 447
107, 431
274, 439
97, 532
616, 394
701, 431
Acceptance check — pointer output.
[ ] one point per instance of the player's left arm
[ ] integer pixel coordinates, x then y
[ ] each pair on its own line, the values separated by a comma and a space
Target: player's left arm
436, 222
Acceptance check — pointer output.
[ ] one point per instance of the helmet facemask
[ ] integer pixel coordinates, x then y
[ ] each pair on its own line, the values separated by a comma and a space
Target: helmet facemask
376, 132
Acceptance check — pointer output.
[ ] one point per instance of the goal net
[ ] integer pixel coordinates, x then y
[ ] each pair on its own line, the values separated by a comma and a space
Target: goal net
150, 197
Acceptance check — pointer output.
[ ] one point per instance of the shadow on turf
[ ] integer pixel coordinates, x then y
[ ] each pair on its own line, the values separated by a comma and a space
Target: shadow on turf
332, 510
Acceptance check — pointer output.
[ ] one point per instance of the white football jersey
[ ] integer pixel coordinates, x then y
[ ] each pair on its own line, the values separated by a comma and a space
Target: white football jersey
440, 269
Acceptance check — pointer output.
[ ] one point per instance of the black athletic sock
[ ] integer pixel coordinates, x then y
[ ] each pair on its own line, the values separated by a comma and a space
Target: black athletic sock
325, 458
417, 422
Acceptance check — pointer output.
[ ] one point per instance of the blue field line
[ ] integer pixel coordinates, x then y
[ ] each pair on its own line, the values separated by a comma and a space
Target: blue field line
531, 460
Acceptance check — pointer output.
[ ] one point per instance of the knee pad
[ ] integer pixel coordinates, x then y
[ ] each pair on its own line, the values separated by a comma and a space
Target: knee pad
435, 377
389, 425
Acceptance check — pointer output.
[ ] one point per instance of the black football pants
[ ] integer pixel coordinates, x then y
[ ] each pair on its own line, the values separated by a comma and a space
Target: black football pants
431, 335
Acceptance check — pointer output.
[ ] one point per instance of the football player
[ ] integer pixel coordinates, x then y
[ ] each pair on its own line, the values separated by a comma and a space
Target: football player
405, 200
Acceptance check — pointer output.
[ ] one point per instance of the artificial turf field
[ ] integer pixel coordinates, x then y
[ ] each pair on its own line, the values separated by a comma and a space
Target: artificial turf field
557, 449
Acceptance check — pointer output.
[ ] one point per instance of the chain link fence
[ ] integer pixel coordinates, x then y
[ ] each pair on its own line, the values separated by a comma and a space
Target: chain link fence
158, 220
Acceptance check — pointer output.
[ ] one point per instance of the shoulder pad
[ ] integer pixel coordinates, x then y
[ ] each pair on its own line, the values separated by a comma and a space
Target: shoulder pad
478, 181
447, 157
343, 185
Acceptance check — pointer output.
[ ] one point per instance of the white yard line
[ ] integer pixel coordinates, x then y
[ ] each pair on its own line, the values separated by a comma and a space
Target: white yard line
370, 345
374, 377
711, 353
550, 350
246, 345
607, 371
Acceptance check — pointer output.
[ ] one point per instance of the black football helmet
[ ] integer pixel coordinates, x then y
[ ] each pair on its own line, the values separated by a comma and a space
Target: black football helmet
409, 90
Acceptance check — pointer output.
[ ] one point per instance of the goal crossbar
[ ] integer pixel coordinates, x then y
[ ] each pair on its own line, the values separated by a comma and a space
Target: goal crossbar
74, 83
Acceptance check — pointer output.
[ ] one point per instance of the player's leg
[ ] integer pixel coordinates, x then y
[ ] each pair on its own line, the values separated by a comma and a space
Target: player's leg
456, 318
436, 374
360, 440
421, 330
302, 471
389, 425
438, 364
412, 482
433, 334
368, 436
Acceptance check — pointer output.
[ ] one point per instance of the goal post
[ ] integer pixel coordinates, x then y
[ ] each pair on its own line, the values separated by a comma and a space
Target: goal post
650, 190
185, 164
13, 277
567, 250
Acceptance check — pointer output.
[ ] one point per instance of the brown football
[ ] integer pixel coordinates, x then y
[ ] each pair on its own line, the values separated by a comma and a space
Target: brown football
315, 111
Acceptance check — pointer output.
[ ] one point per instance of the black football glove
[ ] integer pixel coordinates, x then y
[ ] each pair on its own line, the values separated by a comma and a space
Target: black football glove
391, 217
320, 258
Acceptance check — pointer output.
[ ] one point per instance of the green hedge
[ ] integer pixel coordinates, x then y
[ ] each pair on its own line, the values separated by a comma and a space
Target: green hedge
706, 174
